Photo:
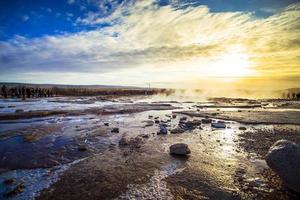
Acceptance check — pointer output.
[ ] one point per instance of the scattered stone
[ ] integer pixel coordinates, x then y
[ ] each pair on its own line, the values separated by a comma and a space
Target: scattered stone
284, 158
123, 141
177, 130
156, 121
19, 110
183, 118
145, 136
18, 189
133, 143
156, 117
242, 128
218, 125
206, 121
173, 116
149, 123
150, 116
115, 130
9, 181
82, 148
106, 124
188, 125
180, 149
218, 141
162, 130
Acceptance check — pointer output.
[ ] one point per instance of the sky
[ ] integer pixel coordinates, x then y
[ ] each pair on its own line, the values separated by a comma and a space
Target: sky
167, 43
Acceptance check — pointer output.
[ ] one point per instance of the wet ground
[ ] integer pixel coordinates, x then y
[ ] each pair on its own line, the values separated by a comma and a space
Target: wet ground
76, 153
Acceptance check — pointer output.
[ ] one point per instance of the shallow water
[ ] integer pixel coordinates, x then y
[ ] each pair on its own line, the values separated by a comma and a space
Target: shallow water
213, 163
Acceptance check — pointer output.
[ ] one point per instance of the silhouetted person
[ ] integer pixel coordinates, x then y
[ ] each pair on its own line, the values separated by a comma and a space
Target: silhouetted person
23, 93
4, 91
19, 92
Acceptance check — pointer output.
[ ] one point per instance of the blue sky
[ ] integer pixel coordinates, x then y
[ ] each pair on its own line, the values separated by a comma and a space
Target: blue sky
98, 41
35, 18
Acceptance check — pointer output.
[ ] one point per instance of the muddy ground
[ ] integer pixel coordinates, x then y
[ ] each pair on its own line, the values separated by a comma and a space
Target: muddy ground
104, 149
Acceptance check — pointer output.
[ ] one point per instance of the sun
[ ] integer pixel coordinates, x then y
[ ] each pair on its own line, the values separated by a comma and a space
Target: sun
232, 64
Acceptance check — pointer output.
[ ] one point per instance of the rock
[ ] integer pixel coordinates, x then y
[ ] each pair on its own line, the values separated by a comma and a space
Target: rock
150, 116
283, 157
149, 123
180, 149
156, 121
242, 128
177, 130
18, 189
9, 181
206, 121
183, 118
162, 130
19, 110
173, 116
188, 125
218, 125
133, 143
115, 130
124, 141
82, 148
145, 136
106, 124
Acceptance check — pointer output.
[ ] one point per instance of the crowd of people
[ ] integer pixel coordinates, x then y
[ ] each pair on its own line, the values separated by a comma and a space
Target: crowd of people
291, 95
24, 92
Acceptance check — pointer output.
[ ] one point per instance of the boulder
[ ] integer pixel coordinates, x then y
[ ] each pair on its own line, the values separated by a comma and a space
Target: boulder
149, 123
115, 130
188, 125
183, 118
284, 158
82, 148
9, 181
180, 149
218, 125
162, 130
124, 141
177, 130
206, 121
242, 128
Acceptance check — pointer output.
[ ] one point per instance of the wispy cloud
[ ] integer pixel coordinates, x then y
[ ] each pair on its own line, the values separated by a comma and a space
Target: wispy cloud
145, 36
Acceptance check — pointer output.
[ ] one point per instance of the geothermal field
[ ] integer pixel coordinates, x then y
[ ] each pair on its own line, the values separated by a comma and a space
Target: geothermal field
120, 147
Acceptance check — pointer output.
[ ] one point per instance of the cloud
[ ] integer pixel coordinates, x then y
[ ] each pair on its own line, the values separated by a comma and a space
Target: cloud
143, 35
71, 1
25, 18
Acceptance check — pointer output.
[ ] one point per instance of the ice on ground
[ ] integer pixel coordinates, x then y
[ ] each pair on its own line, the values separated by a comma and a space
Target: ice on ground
35, 180
11, 105
156, 188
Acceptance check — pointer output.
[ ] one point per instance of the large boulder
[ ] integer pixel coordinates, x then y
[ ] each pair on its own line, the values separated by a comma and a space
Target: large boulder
180, 149
284, 158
